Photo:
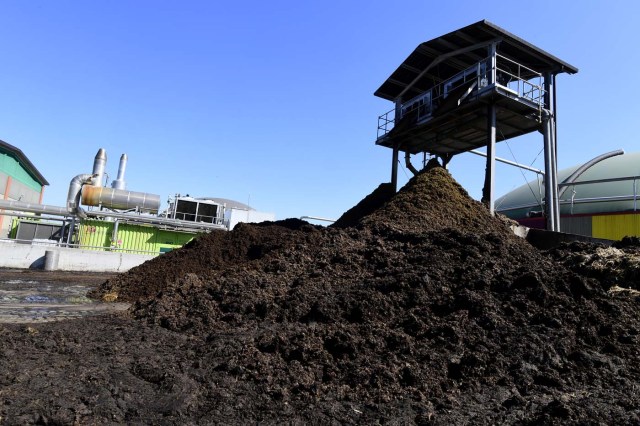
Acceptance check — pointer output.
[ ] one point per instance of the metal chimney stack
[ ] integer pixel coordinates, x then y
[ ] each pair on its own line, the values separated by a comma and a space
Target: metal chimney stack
99, 165
119, 183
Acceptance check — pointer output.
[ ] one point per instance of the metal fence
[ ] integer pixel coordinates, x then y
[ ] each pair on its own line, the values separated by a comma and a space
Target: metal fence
518, 81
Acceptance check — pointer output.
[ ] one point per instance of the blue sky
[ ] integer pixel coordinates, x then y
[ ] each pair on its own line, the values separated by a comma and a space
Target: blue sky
272, 103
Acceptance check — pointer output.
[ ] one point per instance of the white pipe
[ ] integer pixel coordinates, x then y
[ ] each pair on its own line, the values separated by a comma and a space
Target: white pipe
317, 218
511, 163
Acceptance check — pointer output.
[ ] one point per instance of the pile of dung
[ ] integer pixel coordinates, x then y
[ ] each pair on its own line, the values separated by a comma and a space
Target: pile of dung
614, 266
366, 206
424, 310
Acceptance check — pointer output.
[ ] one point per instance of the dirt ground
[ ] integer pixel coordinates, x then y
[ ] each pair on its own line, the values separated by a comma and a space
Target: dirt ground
417, 308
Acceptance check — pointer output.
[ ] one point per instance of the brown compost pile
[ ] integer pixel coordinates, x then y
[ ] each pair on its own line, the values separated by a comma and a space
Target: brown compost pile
617, 266
415, 308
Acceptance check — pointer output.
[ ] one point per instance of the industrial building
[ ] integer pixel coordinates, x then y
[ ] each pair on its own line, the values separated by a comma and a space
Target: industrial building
599, 200
20, 180
97, 218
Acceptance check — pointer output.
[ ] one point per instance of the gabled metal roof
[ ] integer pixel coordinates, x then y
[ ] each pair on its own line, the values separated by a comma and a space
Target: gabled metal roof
28, 165
458, 51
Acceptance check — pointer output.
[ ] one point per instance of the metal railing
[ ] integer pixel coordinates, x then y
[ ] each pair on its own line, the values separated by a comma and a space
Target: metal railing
631, 197
588, 200
385, 123
521, 82
53, 243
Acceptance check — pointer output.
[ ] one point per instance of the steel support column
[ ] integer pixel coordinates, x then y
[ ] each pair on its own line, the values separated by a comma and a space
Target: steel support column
554, 166
396, 146
551, 151
550, 189
394, 168
488, 193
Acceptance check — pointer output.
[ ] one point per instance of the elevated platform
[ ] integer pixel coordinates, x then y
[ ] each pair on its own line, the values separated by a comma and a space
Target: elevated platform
471, 88
465, 127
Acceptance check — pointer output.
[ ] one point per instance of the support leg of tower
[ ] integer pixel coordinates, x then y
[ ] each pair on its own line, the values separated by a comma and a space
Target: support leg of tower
394, 168
550, 178
488, 193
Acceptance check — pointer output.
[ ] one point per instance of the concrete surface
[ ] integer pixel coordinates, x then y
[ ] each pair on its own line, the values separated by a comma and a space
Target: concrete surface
27, 256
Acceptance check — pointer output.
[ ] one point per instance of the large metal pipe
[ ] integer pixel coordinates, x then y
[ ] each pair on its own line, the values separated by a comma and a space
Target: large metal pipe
99, 164
509, 162
119, 199
73, 197
19, 206
155, 220
580, 170
119, 183
407, 162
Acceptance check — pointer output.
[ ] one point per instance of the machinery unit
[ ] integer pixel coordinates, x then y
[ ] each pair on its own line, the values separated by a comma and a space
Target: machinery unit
123, 220
195, 210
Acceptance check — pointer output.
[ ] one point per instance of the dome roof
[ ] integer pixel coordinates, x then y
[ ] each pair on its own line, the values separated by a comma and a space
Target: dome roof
518, 203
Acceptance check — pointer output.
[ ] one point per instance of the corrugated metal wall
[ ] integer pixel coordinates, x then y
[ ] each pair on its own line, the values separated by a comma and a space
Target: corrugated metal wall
97, 233
617, 226
93, 234
581, 225
137, 237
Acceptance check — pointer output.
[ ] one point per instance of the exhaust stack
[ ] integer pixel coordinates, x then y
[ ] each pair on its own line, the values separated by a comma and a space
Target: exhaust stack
119, 183
99, 165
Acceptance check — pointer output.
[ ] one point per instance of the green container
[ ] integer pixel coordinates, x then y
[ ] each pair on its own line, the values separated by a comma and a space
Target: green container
97, 235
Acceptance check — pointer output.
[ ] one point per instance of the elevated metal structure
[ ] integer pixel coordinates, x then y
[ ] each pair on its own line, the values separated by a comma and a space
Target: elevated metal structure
472, 88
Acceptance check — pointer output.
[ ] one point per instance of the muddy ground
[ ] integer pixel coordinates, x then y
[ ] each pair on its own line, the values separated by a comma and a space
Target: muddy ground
416, 308
36, 296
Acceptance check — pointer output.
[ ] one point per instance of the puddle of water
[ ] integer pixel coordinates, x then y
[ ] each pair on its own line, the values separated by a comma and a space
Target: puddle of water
24, 301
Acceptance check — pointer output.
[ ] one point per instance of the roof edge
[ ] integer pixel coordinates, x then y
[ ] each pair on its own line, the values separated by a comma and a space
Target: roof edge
567, 67
25, 160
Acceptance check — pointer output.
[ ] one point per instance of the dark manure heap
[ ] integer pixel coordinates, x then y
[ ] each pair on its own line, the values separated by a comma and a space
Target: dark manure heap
415, 308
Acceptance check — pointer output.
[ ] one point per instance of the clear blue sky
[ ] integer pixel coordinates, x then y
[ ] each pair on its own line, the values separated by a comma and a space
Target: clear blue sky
271, 102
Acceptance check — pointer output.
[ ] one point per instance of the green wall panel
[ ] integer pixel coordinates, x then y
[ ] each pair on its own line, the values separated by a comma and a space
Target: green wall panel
11, 166
97, 233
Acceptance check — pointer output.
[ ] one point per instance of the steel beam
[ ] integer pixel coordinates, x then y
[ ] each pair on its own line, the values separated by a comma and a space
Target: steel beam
550, 189
394, 168
488, 192
443, 57
551, 152
509, 162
